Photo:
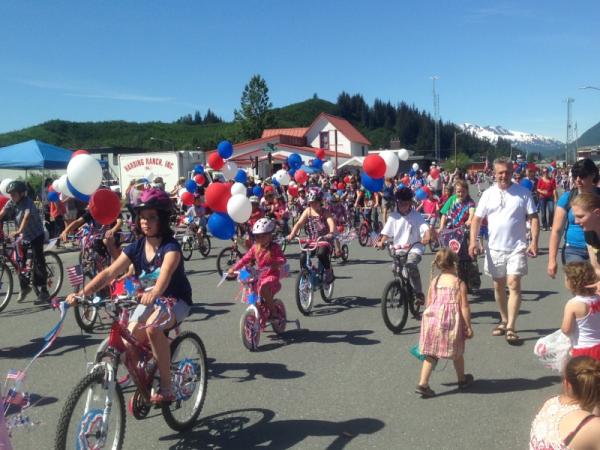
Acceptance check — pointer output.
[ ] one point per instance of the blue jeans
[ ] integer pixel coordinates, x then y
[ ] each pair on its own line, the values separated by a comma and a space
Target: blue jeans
574, 254
547, 204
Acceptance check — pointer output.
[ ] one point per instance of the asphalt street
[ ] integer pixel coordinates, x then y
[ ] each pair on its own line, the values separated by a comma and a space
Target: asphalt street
337, 379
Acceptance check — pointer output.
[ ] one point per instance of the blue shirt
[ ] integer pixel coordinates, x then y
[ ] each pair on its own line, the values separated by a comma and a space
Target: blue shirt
575, 236
179, 287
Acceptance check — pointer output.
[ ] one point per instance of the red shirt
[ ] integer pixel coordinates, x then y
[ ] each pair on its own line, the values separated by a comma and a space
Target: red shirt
546, 185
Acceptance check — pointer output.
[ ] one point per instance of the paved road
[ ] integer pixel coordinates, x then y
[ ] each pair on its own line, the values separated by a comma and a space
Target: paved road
338, 380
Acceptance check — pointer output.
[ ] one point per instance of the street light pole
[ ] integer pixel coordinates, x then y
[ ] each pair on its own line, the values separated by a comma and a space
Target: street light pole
152, 138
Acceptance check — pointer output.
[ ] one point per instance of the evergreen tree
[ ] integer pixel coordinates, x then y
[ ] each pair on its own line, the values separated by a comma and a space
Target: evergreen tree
255, 109
211, 117
197, 118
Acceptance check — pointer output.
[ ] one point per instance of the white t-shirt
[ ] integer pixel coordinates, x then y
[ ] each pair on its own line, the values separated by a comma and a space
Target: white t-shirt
507, 212
406, 229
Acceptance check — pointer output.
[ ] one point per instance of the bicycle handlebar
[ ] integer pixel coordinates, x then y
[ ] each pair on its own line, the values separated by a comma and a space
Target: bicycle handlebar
312, 244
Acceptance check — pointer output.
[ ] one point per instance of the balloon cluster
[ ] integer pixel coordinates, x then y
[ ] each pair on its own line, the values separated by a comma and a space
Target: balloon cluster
377, 167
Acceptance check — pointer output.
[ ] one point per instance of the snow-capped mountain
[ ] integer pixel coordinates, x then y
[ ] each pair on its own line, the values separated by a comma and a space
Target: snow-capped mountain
525, 141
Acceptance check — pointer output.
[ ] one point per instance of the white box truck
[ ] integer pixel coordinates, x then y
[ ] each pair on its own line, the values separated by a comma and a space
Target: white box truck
168, 165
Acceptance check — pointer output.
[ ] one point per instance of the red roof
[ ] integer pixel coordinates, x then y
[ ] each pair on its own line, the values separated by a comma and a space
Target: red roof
345, 127
296, 132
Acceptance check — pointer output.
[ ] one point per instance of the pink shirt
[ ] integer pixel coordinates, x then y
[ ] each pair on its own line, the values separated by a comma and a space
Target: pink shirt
272, 260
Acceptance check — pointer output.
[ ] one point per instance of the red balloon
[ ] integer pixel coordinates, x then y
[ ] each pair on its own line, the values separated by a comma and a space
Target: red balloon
553, 164
320, 153
105, 206
293, 190
405, 181
435, 173
200, 180
3, 201
347, 179
340, 228
215, 161
187, 198
374, 166
217, 195
300, 176
79, 152
341, 186
426, 190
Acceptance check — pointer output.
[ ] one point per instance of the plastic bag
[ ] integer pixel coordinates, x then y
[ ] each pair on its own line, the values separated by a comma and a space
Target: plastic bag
553, 350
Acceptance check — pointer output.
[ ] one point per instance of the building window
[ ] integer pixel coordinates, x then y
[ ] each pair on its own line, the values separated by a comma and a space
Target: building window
324, 140
362, 149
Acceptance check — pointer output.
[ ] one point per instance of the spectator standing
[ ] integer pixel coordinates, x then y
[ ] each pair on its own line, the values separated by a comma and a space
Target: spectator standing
547, 196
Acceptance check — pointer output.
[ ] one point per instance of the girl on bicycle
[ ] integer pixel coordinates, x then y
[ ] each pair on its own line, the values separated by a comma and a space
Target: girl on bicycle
155, 250
446, 323
268, 259
320, 224
197, 214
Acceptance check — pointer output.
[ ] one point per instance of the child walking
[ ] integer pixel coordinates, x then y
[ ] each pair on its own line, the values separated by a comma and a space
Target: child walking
581, 317
446, 322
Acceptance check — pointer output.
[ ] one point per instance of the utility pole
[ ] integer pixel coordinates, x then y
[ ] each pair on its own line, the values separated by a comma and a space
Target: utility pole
436, 113
569, 101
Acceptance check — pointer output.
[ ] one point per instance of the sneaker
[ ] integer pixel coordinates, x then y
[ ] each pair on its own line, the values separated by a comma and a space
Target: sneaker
425, 391
24, 293
466, 383
43, 298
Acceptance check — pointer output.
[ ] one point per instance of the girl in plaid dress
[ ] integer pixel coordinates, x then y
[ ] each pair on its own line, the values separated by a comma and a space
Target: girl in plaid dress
446, 322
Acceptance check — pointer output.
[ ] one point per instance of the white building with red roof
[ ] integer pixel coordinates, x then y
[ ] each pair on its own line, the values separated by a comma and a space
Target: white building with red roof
340, 140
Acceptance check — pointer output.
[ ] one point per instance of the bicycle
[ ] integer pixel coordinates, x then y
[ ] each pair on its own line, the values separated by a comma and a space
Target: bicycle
190, 240
431, 220
457, 240
229, 256
366, 229
257, 316
311, 277
398, 297
94, 413
17, 254
344, 238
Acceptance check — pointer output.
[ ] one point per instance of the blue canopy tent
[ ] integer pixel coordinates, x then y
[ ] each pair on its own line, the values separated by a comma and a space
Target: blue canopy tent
34, 155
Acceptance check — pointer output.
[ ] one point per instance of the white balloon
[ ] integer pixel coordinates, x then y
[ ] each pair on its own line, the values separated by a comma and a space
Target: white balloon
238, 189
282, 177
292, 183
403, 154
229, 170
62, 186
4, 184
85, 174
328, 168
391, 163
56, 186
239, 208
415, 167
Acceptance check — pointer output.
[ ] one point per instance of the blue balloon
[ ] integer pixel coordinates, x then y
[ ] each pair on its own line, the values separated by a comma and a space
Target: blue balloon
371, 184
294, 161
77, 194
191, 186
198, 169
421, 194
292, 172
258, 191
241, 176
527, 184
340, 192
316, 164
400, 186
411, 173
275, 183
225, 149
221, 226
53, 196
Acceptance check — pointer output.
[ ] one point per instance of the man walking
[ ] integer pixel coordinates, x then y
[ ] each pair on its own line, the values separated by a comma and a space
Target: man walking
508, 207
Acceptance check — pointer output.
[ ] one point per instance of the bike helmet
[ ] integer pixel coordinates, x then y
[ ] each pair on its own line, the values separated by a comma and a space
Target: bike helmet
16, 186
154, 199
315, 195
263, 226
404, 195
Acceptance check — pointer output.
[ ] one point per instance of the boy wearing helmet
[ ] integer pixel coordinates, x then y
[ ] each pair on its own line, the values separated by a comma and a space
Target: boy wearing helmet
29, 225
406, 227
155, 251
266, 256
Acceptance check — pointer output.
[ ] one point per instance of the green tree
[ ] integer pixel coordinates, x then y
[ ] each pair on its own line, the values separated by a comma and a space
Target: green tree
462, 162
197, 118
211, 117
255, 109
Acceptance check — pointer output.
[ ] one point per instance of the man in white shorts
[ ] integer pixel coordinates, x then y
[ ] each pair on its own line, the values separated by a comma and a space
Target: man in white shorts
508, 207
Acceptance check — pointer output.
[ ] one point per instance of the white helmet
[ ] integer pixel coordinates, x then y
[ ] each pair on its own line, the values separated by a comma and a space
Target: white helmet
263, 226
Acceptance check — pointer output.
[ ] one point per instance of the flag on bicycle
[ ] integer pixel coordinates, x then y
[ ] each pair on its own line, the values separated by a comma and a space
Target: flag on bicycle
16, 375
75, 275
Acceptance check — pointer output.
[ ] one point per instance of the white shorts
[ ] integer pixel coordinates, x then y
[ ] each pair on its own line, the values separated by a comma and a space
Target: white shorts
499, 263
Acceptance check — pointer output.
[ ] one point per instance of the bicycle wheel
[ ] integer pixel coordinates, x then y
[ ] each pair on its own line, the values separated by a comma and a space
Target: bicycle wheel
6, 285
280, 322
54, 269
187, 248
227, 258
86, 315
413, 307
345, 253
81, 424
189, 372
304, 292
250, 329
326, 290
394, 306
204, 246
363, 235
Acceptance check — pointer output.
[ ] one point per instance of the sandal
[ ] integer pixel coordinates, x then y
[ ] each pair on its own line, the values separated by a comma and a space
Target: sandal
466, 382
500, 330
160, 397
420, 299
425, 391
511, 337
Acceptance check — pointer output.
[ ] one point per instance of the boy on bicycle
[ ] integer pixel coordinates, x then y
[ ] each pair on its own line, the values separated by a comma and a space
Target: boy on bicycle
407, 227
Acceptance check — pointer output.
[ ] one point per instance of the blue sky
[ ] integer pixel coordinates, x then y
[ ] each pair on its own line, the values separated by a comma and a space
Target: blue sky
499, 62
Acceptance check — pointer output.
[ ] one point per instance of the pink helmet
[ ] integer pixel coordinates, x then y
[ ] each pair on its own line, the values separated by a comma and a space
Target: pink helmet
154, 198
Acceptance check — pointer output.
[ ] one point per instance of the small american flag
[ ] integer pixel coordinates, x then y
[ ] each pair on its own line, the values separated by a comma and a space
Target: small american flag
75, 275
16, 375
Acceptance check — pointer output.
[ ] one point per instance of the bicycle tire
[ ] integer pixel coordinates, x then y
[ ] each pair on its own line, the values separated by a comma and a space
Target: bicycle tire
304, 283
279, 323
345, 253
363, 235
204, 246
201, 364
394, 297
85, 316
413, 307
326, 290
62, 429
187, 248
6, 285
54, 269
227, 258
250, 329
